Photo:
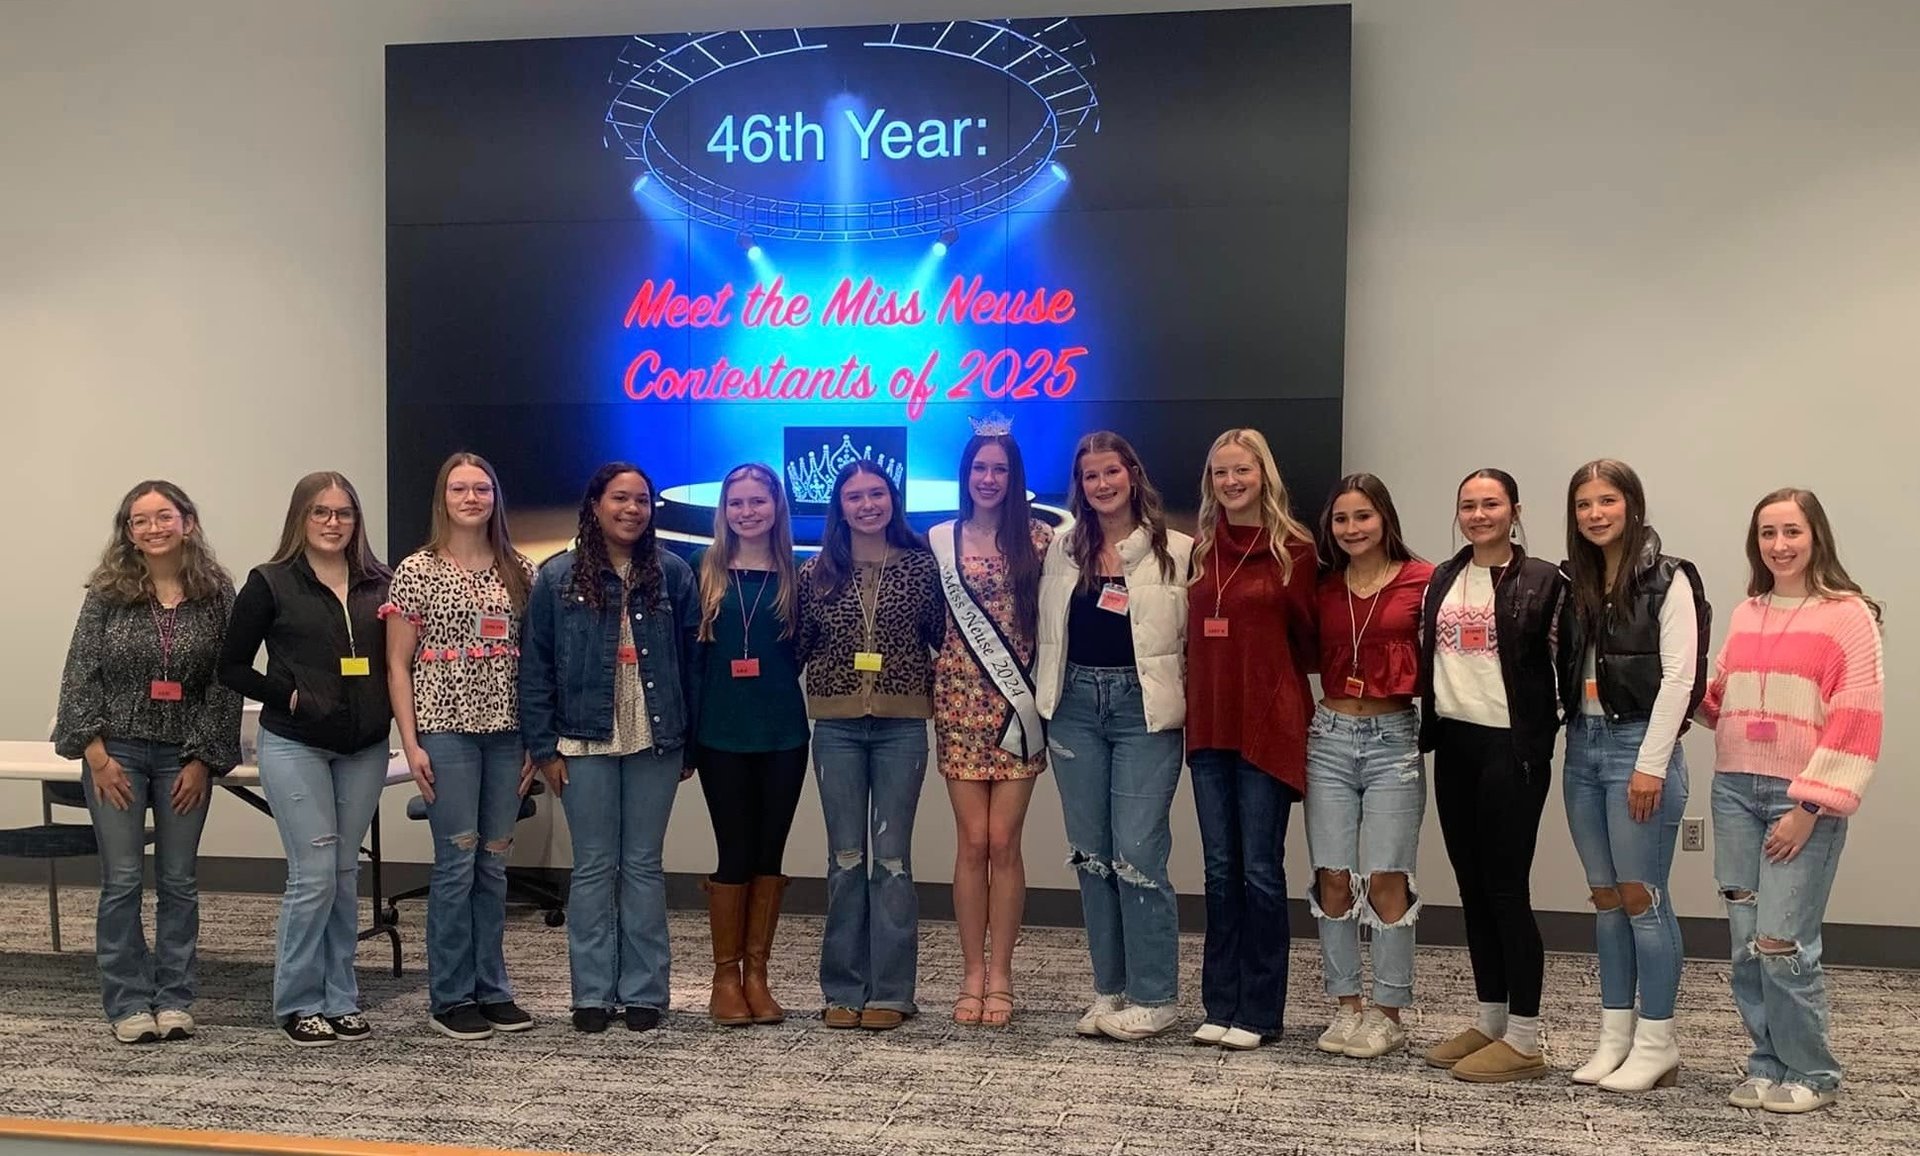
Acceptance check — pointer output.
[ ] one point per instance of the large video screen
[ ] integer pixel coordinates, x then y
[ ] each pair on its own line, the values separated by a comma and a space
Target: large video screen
797, 245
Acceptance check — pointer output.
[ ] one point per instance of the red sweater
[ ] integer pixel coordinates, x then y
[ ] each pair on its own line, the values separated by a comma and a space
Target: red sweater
1248, 692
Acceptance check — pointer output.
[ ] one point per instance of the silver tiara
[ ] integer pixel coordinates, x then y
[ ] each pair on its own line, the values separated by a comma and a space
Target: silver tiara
994, 425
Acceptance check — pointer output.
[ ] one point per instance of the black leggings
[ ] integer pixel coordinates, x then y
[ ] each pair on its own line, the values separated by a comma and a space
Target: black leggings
1490, 817
751, 798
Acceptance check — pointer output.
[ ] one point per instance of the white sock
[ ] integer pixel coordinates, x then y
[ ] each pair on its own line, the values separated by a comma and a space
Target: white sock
1492, 1020
1523, 1034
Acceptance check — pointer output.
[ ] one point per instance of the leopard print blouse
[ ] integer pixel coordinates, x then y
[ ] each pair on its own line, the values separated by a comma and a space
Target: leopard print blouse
462, 683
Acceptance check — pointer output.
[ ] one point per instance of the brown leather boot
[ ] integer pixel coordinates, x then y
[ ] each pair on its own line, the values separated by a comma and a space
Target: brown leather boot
727, 915
763, 915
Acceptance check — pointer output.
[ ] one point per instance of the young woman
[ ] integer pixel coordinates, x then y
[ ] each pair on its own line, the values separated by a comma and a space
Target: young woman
1796, 705
139, 703
753, 733
608, 671
323, 740
1110, 675
1366, 778
453, 644
1490, 710
986, 720
871, 617
1633, 651
1250, 644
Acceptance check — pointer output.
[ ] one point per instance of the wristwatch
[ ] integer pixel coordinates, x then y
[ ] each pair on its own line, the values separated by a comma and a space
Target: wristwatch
1810, 808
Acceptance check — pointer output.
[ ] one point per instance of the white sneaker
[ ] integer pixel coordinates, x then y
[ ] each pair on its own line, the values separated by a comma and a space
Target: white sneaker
1375, 1036
1210, 1034
1139, 1023
1793, 1098
137, 1028
174, 1023
1334, 1039
1750, 1093
1241, 1040
1103, 1005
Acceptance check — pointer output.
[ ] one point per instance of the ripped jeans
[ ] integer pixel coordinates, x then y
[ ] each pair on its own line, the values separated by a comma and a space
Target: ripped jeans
323, 802
476, 802
1781, 996
1366, 798
869, 772
1116, 783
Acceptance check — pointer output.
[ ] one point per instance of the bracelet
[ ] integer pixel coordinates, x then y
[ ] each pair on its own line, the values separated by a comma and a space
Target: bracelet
1810, 808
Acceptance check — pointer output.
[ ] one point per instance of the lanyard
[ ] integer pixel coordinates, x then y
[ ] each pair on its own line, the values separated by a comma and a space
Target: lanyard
476, 583
1766, 652
1497, 579
1220, 588
869, 614
746, 616
163, 625
1359, 632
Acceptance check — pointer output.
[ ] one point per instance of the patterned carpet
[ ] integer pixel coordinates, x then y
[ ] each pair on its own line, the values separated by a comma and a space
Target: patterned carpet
930, 1087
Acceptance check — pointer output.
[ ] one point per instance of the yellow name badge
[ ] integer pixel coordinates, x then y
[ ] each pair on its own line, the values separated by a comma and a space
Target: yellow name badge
355, 667
866, 660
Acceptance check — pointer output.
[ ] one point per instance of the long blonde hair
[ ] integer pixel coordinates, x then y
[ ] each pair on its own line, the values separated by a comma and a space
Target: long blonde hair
293, 534
506, 560
122, 577
1275, 515
718, 560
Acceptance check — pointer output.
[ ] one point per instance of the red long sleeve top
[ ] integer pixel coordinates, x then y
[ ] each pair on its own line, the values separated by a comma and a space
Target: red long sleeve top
1388, 627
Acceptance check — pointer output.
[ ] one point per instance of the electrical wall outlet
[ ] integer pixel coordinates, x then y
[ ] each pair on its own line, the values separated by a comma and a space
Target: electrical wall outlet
1693, 834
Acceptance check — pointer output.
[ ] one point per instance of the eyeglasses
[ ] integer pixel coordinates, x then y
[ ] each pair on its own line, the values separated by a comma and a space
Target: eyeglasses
165, 520
321, 515
477, 489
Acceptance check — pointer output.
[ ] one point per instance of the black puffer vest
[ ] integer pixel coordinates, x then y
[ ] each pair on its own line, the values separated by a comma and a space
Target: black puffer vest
1627, 648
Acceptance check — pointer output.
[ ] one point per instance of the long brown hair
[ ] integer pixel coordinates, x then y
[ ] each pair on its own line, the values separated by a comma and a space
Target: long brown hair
507, 561
716, 563
592, 544
122, 575
1586, 562
1085, 541
1276, 515
833, 566
1826, 577
1014, 535
1375, 492
361, 562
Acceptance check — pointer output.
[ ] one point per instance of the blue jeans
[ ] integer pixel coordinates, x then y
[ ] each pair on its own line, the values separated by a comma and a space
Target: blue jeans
869, 771
132, 978
617, 809
1243, 837
1116, 785
1782, 997
1644, 948
1366, 799
323, 802
476, 802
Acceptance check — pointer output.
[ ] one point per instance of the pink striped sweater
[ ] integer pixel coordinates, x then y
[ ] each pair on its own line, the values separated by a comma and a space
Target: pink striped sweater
1796, 693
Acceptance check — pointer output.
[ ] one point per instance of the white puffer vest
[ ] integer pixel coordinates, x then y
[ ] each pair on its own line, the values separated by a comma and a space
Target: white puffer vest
1156, 609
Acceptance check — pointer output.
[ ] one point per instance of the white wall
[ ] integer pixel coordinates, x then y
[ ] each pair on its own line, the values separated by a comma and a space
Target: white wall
1679, 234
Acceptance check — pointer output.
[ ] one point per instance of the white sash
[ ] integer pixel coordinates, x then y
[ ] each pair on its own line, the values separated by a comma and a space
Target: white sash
1020, 735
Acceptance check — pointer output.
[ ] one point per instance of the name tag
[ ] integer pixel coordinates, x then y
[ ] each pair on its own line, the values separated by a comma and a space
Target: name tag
1113, 598
1356, 688
1213, 627
162, 690
490, 625
359, 667
1593, 690
627, 655
1762, 730
746, 668
1473, 638
867, 660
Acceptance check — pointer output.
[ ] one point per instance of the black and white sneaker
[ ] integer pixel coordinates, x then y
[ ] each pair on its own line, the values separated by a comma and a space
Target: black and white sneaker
309, 1031
462, 1023
507, 1016
351, 1027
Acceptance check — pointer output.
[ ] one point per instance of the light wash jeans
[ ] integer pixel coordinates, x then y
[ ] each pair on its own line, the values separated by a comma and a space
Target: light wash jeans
132, 978
1366, 799
1635, 950
323, 802
1782, 998
617, 808
869, 772
1116, 783
476, 802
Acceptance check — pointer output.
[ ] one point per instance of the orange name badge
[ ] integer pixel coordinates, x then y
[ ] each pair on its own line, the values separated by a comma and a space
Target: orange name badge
490, 625
746, 668
1593, 690
1762, 730
164, 690
627, 655
356, 667
1213, 627
1356, 687
1113, 598
1473, 638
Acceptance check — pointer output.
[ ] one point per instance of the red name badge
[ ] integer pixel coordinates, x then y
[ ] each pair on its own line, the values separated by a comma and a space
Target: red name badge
1473, 638
163, 690
490, 625
1213, 627
1113, 598
1593, 690
1762, 730
628, 655
746, 668
1356, 688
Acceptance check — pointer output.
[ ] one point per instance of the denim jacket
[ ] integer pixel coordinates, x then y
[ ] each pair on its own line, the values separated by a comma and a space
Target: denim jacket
568, 652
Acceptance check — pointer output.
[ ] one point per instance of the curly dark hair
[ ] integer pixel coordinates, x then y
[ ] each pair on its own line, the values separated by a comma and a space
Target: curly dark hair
592, 545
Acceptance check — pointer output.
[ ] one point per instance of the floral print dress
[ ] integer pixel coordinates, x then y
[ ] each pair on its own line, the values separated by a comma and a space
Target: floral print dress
968, 713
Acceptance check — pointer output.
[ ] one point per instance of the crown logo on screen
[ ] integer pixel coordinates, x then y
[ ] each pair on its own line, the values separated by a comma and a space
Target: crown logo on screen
810, 479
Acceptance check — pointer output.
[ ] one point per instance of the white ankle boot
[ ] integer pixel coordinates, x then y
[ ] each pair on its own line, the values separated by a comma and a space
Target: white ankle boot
1616, 1040
1654, 1061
